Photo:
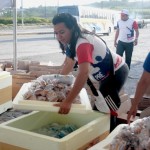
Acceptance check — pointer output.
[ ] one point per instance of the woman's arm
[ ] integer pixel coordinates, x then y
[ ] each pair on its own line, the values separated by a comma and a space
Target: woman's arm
141, 87
67, 66
80, 81
143, 84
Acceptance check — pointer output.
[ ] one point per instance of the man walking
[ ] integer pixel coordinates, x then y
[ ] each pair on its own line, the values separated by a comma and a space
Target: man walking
125, 39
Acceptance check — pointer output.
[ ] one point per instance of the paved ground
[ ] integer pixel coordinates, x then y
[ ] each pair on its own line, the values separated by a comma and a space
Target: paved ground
139, 55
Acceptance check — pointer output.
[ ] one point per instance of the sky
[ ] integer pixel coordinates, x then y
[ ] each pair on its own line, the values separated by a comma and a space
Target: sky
36, 3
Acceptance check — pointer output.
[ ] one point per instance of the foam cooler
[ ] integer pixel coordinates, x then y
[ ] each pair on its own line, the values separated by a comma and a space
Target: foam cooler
5, 91
20, 103
17, 134
105, 144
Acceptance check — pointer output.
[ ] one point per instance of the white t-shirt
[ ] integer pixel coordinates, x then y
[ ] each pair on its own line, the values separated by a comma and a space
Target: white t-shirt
126, 30
92, 49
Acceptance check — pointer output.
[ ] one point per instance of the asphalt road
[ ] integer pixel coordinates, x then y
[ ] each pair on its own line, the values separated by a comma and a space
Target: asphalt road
28, 46
44, 47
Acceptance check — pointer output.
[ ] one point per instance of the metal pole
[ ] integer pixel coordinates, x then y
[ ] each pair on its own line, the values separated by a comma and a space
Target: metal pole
14, 35
45, 10
22, 15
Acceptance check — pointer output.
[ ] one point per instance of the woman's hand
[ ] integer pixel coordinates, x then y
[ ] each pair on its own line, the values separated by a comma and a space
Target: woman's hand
64, 107
132, 112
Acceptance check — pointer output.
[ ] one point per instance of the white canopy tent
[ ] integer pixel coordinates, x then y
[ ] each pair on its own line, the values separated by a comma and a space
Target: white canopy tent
12, 4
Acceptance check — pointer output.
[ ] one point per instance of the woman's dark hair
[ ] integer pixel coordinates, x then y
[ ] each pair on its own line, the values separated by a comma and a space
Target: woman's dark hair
71, 23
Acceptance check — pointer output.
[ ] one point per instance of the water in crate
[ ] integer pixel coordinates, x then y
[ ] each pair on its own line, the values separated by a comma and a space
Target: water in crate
56, 130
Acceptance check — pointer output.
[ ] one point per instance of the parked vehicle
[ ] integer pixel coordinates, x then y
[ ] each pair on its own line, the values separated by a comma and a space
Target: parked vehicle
102, 20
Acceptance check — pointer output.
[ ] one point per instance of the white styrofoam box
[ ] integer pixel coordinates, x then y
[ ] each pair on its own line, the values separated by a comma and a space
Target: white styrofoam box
123, 116
5, 91
5, 106
122, 92
5, 79
104, 145
18, 132
20, 103
124, 97
124, 107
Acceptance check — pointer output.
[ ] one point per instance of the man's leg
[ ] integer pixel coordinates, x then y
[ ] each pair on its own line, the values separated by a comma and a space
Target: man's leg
120, 48
128, 53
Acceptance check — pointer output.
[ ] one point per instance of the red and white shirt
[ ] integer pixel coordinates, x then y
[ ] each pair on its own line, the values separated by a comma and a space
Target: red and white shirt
93, 50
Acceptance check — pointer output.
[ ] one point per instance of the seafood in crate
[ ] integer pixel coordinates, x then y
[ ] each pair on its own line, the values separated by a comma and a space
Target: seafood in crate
136, 136
53, 88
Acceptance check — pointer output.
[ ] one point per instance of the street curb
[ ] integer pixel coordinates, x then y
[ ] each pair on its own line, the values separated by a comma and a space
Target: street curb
26, 33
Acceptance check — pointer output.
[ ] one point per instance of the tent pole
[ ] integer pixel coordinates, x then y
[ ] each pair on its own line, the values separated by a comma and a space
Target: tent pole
14, 35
